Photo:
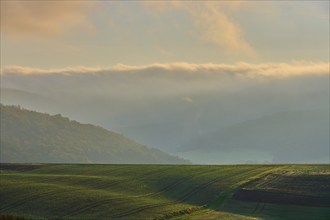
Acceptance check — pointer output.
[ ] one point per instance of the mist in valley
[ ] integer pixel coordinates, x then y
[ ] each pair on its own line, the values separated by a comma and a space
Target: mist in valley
207, 113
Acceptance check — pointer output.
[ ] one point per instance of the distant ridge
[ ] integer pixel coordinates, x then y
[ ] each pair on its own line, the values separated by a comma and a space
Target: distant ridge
287, 137
33, 137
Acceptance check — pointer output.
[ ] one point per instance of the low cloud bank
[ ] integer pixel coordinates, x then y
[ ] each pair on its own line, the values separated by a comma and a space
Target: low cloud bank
249, 70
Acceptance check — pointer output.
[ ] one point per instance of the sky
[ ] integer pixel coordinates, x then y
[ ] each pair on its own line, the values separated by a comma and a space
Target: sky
58, 34
170, 74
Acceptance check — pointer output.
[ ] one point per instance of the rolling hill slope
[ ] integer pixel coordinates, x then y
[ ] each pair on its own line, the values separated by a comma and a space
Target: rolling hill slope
28, 136
160, 192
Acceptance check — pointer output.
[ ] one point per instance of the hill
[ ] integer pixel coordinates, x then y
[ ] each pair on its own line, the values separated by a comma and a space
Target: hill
154, 115
15, 96
29, 136
61, 191
284, 137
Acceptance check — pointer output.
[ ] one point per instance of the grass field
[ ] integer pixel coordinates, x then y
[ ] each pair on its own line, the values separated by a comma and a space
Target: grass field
59, 191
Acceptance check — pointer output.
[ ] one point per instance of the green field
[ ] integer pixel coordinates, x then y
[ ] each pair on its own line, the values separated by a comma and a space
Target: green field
59, 191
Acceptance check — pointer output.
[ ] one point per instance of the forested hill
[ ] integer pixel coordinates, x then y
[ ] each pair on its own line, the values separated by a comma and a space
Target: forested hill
29, 136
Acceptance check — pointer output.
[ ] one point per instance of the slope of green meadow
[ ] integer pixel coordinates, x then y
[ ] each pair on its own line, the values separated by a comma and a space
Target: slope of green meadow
64, 191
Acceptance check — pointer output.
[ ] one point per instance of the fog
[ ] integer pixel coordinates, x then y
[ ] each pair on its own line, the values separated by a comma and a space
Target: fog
168, 106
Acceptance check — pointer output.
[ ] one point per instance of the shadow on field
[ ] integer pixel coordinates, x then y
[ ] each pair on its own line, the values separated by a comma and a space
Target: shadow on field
21, 167
11, 217
281, 198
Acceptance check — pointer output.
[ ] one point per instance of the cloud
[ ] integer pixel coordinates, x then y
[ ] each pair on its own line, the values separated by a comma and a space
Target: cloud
44, 18
189, 70
211, 19
188, 99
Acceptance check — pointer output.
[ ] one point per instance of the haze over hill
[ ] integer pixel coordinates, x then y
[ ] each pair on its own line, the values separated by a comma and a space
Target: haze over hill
32, 137
167, 107
292, 136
